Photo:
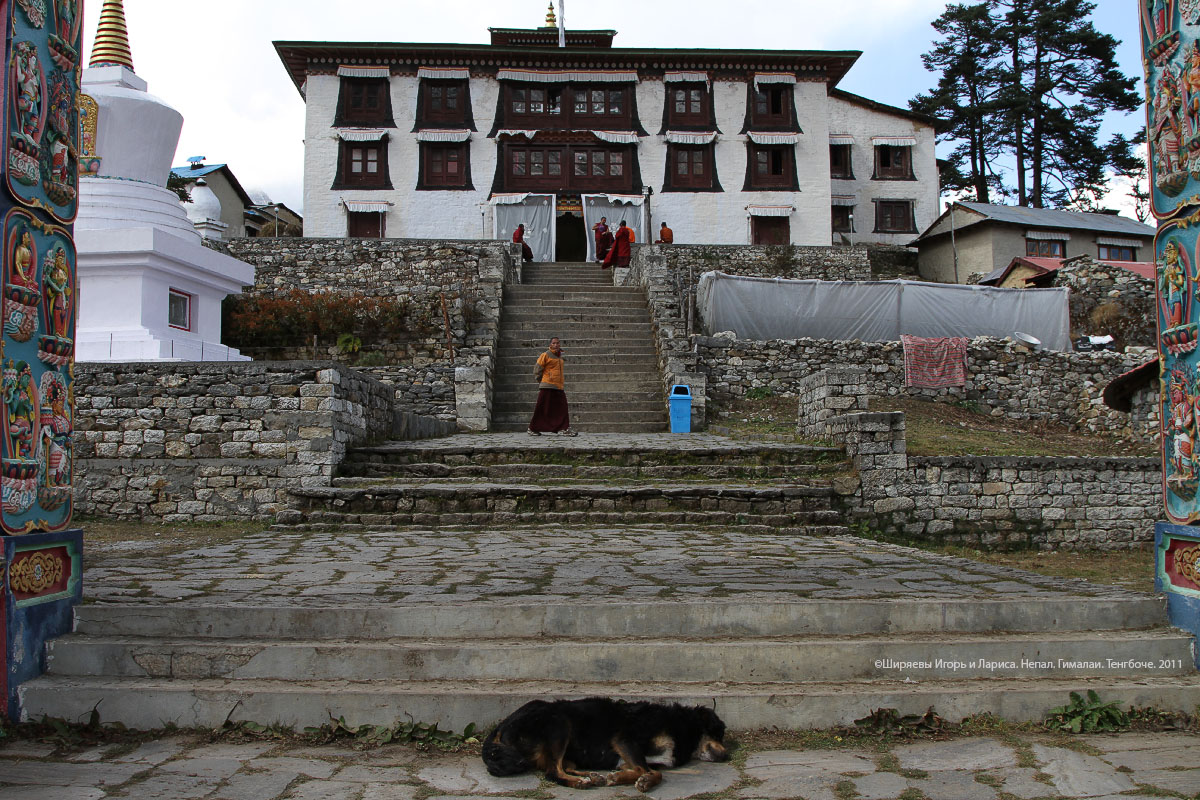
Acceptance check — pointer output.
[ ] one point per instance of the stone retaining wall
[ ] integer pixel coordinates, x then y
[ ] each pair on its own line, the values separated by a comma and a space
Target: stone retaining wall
216, 440
1045, 503
1128, 308
471, 274
1003, 378
776, 261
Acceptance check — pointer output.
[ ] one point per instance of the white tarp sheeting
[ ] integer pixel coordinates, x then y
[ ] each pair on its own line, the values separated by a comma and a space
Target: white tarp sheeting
616, 207
536, 213
878, 311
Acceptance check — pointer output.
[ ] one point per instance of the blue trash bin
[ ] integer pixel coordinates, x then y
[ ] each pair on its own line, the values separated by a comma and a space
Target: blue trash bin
681, 408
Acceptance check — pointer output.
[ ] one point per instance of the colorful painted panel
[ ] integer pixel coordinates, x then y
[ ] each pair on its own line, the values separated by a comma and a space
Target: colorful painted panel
1169, 35
38, 316
40, 583
42, 86
42, 574
1178, 313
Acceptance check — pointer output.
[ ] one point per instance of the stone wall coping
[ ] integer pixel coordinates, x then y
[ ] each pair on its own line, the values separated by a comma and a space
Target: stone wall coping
1039, 462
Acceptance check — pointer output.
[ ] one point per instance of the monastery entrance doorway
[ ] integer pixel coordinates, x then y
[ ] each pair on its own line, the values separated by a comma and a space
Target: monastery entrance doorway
572, 238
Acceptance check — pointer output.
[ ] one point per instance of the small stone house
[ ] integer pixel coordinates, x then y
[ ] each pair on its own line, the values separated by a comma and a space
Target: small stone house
981, 238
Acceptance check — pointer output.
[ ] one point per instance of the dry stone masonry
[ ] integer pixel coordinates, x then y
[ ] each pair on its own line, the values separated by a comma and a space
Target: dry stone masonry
217, 441
456, 383
1047, 503
1003, 378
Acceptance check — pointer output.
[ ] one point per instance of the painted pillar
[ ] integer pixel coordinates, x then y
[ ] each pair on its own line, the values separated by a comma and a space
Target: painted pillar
39, 194
1171, 42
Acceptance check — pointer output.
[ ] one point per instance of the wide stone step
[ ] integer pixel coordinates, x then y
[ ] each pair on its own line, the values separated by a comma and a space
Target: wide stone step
681, 450
149, 703
534, 334
318, 516
793, 660
586, 352
772, 499
593, 426
581, 295
354, 468
710, 617
614, 383
583, 409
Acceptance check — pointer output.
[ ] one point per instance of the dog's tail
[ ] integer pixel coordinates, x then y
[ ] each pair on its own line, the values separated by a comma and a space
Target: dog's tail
503, 759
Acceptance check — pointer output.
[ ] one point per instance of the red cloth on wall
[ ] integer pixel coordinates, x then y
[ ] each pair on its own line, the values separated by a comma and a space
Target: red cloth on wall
934, 363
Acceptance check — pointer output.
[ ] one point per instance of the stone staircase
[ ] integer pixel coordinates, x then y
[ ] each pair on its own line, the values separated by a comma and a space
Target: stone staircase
612, 378
607, 479
763, 663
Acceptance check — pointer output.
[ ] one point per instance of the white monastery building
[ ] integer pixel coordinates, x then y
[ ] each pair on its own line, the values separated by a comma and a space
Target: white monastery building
465, 141
149, 290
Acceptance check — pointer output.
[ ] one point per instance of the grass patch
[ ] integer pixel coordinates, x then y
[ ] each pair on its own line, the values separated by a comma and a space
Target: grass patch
946, 429
939, 429
1128, 569
150, 538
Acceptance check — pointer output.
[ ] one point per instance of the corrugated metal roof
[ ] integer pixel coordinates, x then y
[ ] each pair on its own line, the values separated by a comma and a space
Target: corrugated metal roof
188, 172
1057, 218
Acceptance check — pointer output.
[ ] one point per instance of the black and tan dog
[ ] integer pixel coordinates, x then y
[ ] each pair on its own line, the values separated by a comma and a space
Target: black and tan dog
568, 739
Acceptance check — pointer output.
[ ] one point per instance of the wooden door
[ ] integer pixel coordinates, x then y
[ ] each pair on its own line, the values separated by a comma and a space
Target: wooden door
770, 230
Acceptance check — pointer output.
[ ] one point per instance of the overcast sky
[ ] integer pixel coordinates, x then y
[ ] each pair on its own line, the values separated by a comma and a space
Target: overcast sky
214, 62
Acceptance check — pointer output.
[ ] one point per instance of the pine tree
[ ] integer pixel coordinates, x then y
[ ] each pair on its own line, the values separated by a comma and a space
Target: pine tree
1048, 77
965, 97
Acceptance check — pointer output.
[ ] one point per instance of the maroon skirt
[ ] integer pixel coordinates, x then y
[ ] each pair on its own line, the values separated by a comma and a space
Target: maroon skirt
550, 414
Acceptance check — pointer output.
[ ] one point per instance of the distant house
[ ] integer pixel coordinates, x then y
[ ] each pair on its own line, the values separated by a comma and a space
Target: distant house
972, 238
265, 218
1026, 272
224, 210
233, 198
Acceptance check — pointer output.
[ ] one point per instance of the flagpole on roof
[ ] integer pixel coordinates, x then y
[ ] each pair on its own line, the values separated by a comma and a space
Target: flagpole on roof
562, 23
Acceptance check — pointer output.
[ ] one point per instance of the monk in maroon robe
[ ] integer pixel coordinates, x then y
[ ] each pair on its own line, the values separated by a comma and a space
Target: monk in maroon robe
604, 238
519, 238
618, 255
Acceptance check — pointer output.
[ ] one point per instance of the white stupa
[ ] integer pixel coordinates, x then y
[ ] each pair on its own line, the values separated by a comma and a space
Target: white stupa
148, 289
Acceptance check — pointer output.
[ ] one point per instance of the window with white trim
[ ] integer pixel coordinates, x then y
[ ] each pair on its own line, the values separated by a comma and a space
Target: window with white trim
179, 310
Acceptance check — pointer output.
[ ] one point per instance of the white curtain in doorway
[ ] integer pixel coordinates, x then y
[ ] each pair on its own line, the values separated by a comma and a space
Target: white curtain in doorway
616, 207
536, 212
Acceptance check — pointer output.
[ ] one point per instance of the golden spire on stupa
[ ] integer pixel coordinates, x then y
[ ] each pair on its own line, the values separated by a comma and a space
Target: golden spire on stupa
112, 38
551, 20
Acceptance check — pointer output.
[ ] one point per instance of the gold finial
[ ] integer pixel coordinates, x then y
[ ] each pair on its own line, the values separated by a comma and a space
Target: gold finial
112, 38
551, 20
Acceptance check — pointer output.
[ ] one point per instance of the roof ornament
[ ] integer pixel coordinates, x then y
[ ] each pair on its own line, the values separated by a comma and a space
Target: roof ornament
551, 20
112, 38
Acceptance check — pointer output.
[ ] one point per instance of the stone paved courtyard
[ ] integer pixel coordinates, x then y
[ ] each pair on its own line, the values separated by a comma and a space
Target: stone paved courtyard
448, 565
1108, 767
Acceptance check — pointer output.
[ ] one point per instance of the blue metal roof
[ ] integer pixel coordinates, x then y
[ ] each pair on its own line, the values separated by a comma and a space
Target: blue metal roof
186, 171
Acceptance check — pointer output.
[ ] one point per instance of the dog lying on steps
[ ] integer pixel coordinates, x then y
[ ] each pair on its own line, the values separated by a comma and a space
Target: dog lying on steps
570, 739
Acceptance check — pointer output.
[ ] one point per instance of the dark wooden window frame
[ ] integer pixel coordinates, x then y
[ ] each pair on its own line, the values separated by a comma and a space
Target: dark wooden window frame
706, 181
888, 167
559, 176
566, 119
429, 116
1046, 248
842, 219
884, 211
354, 108
785, 120
841, 162
705, 120
428, 178
347, 179
783, 181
